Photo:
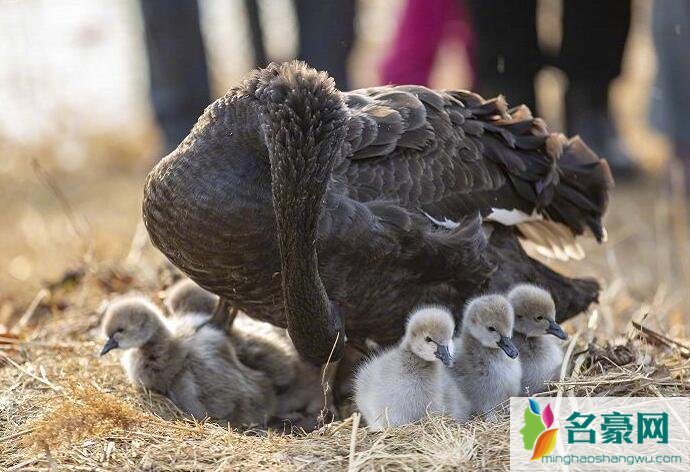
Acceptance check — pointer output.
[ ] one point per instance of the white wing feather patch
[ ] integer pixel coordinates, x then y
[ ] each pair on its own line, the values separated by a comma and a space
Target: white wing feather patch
545, 237
499, 215
550, 239
512, 217
446, 223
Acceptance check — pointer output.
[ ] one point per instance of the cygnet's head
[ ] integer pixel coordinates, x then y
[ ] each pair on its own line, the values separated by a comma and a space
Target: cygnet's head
130, 322
187, 297
535, 311
429, 334
489, 319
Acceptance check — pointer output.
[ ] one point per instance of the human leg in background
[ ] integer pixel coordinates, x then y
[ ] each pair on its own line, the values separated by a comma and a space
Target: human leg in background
177, 66
594, 37
670, 97
326, 36
419, 34
256, 34
507, 55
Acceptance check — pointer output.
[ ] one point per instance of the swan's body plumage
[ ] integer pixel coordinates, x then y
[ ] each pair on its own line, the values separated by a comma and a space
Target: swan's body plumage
347, 189
198, 369
537, 337
541, 358
402, 384
260, 346
185, 297
487, 370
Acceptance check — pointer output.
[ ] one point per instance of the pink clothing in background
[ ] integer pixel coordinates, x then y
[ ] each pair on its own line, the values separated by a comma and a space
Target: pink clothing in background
422, 28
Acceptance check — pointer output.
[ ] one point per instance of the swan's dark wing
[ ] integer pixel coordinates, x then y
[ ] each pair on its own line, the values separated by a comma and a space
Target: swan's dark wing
452, 153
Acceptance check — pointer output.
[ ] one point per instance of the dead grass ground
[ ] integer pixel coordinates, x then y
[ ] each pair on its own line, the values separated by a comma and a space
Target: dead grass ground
63, 407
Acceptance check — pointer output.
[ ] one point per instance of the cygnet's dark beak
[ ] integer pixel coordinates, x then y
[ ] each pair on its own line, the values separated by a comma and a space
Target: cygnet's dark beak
555, 329
508, 347
443, 353
109, 345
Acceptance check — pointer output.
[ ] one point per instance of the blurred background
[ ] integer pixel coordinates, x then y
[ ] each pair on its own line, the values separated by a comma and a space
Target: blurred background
94, 92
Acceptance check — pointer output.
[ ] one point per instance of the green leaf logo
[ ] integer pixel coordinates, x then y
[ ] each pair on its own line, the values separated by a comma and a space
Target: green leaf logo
536, 435
532, 429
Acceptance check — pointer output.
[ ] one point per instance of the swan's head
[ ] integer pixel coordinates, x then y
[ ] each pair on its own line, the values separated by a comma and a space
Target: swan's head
489, 319
130, 322
429, 334
535, 311
187, 297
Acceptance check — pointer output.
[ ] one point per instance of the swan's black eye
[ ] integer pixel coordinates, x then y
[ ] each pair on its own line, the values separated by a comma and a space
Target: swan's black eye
427, 339
491, 328
540, 318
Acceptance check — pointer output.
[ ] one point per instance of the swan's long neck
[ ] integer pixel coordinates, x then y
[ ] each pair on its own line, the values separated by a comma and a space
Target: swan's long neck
303, 122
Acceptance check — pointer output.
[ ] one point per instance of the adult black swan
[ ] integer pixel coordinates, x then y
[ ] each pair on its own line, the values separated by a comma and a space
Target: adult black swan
338, 213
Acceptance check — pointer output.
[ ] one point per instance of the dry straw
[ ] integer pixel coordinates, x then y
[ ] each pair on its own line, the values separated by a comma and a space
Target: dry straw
63, 407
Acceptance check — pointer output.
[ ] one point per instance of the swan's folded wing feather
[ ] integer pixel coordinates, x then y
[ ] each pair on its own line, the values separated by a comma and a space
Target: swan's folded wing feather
458, 153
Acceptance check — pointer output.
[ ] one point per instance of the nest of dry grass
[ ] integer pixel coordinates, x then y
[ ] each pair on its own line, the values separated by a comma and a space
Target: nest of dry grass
61, 406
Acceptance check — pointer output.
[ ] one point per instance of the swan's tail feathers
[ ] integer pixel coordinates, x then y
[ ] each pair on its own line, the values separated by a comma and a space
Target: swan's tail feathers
464, 248
550, 239
470, 236
572, 296
580, 198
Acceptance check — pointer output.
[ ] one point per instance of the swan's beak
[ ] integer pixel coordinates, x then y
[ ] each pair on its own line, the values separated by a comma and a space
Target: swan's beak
555, 329
109, 345
443, 354
508, 347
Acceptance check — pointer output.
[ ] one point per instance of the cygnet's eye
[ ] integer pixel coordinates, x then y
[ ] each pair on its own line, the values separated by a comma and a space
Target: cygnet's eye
491, 328
539, 318
428, 339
